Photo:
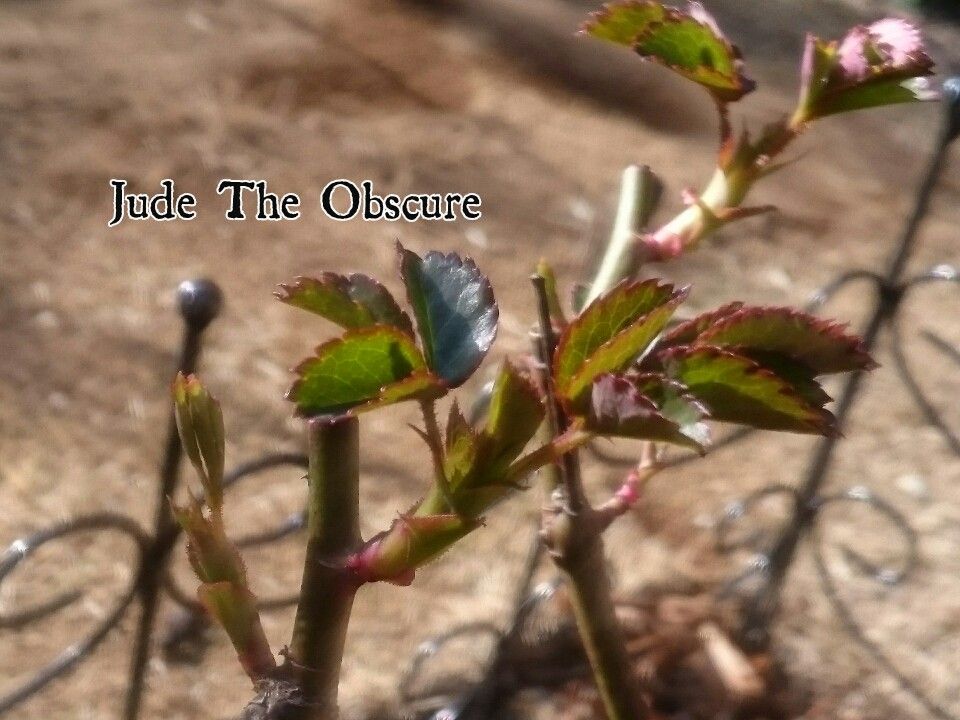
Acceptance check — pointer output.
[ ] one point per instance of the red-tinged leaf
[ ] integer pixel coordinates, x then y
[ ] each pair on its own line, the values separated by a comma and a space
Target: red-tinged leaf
457, 315
613, 313
821, 345
355, 301
621, 351
692, 45
619, 409
738, 390
687, 331
880, 64
677, 404
621, 22
355, 369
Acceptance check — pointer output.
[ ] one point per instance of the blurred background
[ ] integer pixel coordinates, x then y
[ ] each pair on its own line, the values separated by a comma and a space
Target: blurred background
496, 97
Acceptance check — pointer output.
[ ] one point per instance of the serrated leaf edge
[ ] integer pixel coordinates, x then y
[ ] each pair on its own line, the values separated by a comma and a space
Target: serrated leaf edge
285, 293
623, 287
833, 329
343, 339
488, 296
822, 421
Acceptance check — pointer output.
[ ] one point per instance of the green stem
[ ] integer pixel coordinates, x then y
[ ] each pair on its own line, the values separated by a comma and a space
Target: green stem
572, 530
327, 591
730, 184
639, 193
602, 636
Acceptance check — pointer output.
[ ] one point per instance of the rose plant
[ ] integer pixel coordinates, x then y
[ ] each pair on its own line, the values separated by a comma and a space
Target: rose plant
619, 366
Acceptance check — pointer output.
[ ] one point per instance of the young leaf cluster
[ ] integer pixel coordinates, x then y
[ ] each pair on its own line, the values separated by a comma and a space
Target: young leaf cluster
622, 372
378, 360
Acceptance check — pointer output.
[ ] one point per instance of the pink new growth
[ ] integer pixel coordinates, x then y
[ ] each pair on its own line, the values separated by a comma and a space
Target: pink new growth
629, 492
663, 244
898, 44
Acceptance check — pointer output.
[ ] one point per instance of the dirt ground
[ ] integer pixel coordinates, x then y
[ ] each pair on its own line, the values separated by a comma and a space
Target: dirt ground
490, 97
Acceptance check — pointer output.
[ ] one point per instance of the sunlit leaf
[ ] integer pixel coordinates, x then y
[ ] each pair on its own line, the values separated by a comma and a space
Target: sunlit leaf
355, 369
622, 22
477, 462
821, 345
736, 389
685, 332
353, 301
516, 411
455, 310
689, 42
461, 447
611, 332
694, 48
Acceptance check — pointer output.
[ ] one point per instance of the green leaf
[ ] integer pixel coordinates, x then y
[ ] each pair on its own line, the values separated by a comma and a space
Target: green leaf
462, 444
516, 411
477, 463
695, 48
689, 43
619, 409
738, 390
611, 332
874, 94
356, 301
821, 345
455, 309
355, 369
622, 22
798, 376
